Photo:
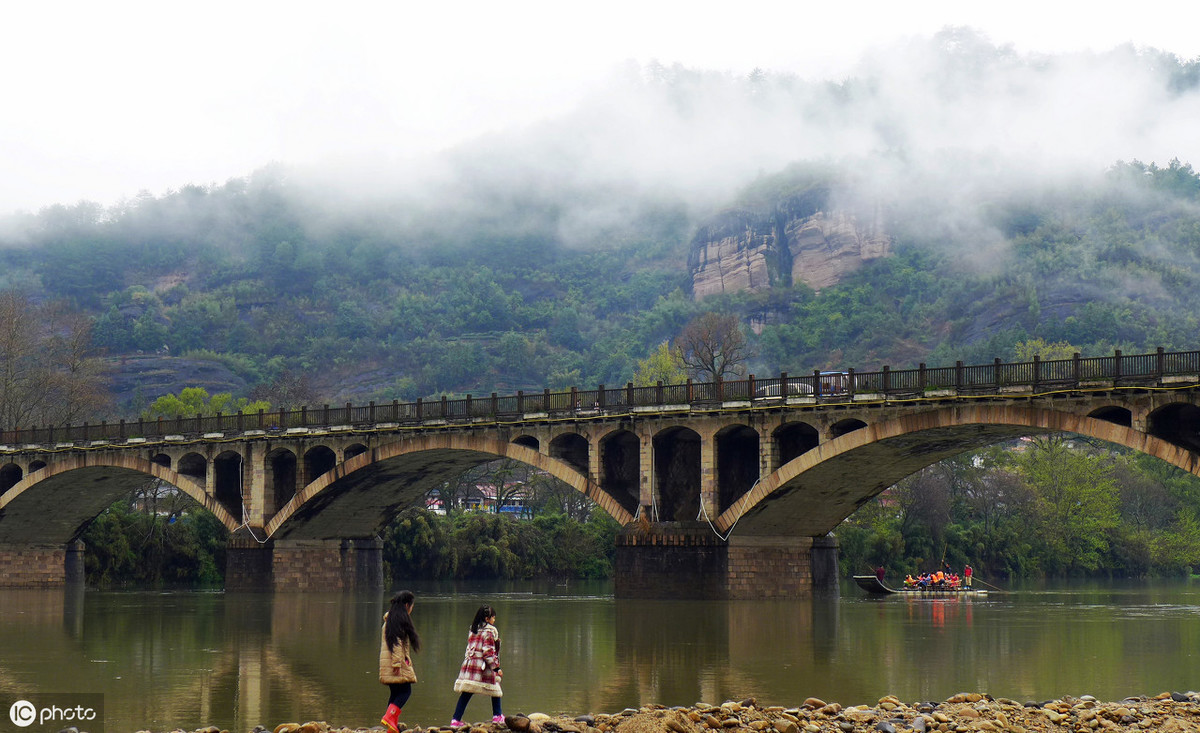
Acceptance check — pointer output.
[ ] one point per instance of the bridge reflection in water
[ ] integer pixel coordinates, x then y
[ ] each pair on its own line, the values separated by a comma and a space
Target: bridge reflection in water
166, 660
238, 660
726, 489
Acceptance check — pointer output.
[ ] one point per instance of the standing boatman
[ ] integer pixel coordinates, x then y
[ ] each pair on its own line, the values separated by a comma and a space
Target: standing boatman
967, 571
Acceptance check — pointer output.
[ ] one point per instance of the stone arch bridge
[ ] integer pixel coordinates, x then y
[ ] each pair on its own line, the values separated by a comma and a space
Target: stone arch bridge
726, 489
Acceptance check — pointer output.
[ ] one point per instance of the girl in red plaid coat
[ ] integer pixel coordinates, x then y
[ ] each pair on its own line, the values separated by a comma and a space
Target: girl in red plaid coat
481, 666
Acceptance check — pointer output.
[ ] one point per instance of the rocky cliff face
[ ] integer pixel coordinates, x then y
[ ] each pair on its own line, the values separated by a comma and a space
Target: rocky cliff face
796, 240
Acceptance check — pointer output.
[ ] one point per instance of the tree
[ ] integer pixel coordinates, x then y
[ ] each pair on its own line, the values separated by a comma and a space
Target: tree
665, 364
1077, 502
48, 372
713, 347
1026, 350
196, 402
288, 391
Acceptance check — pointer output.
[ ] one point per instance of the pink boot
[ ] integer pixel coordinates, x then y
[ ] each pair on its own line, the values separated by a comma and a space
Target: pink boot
391, 719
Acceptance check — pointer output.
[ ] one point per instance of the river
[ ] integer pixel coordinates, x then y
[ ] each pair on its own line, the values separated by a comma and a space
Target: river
190, 659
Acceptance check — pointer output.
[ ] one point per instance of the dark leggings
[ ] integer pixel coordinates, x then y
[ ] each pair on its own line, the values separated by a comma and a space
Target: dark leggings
465, 698
399, 693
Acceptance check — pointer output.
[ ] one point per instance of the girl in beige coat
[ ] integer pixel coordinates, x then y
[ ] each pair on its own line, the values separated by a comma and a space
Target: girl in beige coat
395, 665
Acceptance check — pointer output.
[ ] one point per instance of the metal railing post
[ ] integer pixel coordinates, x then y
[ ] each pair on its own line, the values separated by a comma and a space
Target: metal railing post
1117, 367
1076, 368
1037, 371
996, 373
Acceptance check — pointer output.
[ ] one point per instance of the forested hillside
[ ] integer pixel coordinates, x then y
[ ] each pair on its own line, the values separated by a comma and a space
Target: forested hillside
396, 307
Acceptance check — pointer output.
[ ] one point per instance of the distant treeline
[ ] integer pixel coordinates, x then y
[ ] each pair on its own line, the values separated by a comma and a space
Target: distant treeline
128, 545
1046, 506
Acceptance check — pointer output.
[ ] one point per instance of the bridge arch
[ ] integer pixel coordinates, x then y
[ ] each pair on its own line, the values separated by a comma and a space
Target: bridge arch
571, 448
737, 463
280, 479
1116, 414
621, 467
194, 466
529, 441
793, 439
813, 493
353, 450
50, 508
10, 475
677, 459
1177, 423
358, 496
318, 459
228, 481
843, 427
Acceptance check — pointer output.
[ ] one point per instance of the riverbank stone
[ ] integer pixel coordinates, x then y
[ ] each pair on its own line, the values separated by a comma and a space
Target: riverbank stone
967, 712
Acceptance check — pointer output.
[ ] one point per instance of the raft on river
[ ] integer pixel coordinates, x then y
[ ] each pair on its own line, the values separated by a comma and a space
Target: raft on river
875, 586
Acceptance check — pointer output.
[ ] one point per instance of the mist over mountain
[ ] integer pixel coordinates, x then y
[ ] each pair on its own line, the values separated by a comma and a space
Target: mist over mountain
1046, 196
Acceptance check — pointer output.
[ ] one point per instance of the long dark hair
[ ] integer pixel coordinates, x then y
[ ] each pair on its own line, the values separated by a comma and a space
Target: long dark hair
481, 616
399, 623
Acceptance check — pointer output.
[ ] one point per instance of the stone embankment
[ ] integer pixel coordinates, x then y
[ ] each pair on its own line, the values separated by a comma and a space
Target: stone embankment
1169, 712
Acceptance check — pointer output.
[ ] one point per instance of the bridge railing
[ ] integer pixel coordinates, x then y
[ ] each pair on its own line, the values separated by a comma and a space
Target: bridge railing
817, 387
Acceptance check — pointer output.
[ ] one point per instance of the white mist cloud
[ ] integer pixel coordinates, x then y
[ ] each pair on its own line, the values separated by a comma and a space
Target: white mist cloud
104, 100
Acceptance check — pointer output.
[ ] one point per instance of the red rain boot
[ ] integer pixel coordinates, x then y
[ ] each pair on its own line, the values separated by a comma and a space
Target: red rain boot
391, 719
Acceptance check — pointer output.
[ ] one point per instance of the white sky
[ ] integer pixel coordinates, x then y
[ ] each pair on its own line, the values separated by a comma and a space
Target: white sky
103, 100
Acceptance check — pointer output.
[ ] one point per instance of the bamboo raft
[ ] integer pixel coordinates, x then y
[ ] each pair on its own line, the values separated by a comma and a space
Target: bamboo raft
875, 586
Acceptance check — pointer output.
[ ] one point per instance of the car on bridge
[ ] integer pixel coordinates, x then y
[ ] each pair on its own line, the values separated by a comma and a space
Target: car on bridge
831, 382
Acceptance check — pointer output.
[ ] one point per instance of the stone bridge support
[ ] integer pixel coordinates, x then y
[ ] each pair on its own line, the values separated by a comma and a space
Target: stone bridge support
303, 565
41, 566
688, 560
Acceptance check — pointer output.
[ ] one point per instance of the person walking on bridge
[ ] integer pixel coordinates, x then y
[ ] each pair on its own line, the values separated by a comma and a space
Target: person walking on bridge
480, 670
400, 638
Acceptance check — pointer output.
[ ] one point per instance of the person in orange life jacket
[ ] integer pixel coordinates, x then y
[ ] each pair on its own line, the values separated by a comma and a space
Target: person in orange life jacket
480, 670
400, 638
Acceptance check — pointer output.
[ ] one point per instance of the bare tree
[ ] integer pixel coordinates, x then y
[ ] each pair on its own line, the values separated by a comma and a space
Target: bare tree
48, 373
288, 391
714, 347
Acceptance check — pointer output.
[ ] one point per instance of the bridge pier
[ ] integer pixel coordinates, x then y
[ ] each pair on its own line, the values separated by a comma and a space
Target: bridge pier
41, 566
687, 560
300, 565
825, 570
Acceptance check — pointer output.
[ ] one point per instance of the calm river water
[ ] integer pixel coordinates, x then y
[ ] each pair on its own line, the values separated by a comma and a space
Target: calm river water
187, 659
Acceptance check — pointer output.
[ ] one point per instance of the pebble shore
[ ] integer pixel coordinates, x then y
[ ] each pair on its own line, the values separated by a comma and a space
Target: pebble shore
1168, 712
